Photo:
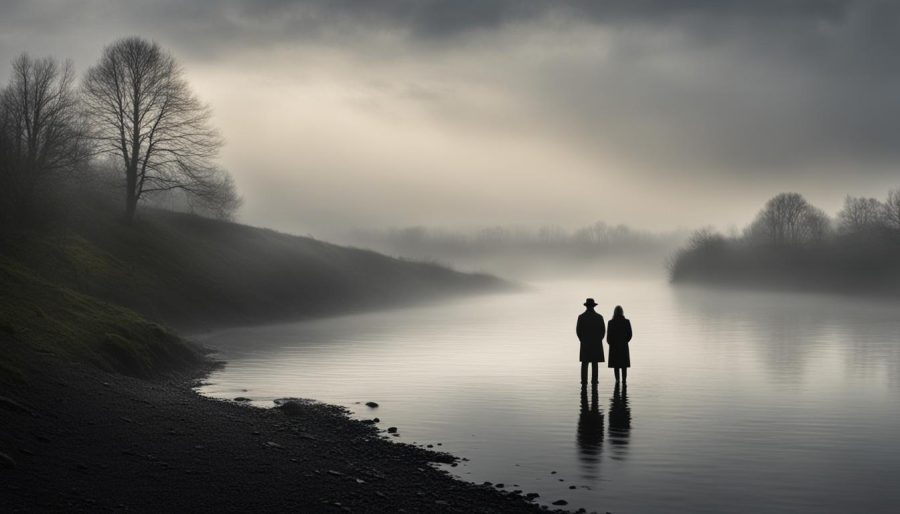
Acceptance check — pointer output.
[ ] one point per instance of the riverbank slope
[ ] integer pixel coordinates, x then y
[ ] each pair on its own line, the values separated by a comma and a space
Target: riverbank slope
97, 412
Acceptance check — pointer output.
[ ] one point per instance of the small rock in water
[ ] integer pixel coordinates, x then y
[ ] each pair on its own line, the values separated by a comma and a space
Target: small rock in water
376, 420
560, 502
371, 404
242, 399
499, 486
531, 496
571, 487
392, 430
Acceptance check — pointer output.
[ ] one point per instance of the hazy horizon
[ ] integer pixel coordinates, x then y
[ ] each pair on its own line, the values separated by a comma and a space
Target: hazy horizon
346, 115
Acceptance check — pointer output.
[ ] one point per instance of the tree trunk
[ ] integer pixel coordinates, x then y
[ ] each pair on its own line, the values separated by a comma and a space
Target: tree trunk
130, 195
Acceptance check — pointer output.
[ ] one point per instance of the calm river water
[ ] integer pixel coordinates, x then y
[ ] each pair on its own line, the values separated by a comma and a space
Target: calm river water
736, 402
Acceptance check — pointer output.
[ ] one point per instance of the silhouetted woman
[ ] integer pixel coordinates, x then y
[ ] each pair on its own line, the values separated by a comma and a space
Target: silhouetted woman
618, 334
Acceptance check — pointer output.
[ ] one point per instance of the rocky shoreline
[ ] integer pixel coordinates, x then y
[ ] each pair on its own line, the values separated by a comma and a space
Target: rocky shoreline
73, 438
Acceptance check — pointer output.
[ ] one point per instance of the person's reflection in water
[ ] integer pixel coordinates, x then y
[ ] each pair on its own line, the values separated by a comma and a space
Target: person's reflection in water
590, 432
619, 422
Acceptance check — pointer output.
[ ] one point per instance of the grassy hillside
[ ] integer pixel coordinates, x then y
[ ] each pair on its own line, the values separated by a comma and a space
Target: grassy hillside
37, 316
188, 271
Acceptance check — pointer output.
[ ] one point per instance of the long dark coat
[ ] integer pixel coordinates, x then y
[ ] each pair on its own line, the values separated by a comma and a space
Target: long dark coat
617, 336
590, 329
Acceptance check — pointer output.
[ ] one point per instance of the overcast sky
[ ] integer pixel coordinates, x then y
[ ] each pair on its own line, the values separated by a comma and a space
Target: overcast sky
655, 113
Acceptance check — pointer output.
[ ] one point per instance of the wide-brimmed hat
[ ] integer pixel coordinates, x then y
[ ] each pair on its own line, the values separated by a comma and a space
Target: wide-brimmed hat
590, 303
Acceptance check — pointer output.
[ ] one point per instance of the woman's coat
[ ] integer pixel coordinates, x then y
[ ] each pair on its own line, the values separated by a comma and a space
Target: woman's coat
618, 334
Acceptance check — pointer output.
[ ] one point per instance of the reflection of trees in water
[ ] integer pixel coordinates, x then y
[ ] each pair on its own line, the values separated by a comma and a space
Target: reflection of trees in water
786, 330
619, 422
590, 432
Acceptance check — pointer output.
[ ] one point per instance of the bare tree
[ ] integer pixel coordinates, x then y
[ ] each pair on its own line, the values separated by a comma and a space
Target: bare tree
891, 213
41, 134
788, 219
144, 113
861, 215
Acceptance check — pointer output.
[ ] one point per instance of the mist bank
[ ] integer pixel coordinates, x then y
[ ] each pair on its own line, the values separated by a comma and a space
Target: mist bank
193, 272
525, 253
794, 245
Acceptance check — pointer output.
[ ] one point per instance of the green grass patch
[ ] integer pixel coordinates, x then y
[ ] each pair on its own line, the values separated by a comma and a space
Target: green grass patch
39, 316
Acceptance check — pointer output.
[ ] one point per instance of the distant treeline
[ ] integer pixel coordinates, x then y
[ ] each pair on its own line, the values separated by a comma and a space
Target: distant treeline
794, 244
547, 249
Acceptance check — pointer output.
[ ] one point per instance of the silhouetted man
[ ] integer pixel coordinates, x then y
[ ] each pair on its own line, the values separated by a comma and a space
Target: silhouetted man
590, 329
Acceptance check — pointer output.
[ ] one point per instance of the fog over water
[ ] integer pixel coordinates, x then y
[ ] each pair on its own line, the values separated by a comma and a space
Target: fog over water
753, 402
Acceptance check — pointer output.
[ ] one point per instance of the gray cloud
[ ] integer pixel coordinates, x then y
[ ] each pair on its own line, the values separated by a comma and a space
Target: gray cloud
764, 95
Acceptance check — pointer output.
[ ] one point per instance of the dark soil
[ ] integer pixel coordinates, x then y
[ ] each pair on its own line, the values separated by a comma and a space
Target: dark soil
74, 438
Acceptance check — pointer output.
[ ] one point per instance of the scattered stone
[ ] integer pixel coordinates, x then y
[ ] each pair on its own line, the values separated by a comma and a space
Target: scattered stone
292, 406
272, 444
7, 462
380, 494
372, 405
571, 487
553, 472
242, 399
255, 432
392, 430
560, 502
335, 473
